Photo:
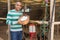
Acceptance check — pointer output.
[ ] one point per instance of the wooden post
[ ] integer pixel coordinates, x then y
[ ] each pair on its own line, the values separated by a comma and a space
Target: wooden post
8, 5
52, 18
8, 1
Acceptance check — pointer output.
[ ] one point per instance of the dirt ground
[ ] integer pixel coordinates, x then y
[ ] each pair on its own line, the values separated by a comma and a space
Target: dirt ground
4, 35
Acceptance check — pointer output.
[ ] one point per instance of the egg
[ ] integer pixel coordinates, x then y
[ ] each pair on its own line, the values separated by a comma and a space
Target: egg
24, 18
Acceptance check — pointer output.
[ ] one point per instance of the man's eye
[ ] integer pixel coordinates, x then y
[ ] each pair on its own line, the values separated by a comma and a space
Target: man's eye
19, 5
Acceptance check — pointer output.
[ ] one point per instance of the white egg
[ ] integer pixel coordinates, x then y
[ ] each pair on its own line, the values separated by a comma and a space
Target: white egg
24, 18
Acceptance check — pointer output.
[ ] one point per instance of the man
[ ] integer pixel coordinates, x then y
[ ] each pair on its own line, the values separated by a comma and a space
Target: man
12, 21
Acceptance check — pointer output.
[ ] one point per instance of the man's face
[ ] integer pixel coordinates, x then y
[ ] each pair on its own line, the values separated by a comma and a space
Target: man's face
18, 6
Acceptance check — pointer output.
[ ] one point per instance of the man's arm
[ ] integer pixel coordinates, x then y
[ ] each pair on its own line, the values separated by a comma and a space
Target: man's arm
8, 19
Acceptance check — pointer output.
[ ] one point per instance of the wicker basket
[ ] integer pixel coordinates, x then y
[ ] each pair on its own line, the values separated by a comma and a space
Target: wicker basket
24, 20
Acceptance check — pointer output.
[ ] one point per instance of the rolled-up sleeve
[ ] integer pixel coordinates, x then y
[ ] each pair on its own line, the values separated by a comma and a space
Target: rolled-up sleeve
8, 19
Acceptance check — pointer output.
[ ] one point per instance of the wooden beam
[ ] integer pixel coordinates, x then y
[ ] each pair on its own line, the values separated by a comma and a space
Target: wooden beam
9, 38
52, 18
8, 5
56, 23
39, 22
2, 18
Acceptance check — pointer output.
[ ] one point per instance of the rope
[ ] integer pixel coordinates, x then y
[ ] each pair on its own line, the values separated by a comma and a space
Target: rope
43, 26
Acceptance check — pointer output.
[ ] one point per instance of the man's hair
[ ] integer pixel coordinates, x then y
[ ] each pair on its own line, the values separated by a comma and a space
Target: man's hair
18, 2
